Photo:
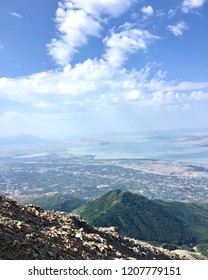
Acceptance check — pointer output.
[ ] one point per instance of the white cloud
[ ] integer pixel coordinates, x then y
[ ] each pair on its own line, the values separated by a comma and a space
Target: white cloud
178, 29
77, 21
88, 96
72, 87
1, 47
191, 86
189, 5
160, 13
199, 95
74, 26
95, 86
134, 95
15, 14
96, 91
147, 10
112, 8
172, 12
128, 41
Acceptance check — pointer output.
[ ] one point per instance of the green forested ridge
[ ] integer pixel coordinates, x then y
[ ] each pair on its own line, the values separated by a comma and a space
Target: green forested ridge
58, 202
138, 217
194, 214
134, 215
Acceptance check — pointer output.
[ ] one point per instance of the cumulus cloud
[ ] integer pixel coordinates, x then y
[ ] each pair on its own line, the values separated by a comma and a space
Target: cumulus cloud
178, 29
77, 21
134, 95
71, 97
75, 26
189, 5
147, 10
128, 41
74, 88
97, 8
95, 86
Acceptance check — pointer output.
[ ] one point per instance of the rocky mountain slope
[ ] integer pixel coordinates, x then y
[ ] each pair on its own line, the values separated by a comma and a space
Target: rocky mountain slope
29, 232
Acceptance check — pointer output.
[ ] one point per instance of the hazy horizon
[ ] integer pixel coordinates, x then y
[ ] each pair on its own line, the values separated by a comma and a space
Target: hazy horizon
174, 145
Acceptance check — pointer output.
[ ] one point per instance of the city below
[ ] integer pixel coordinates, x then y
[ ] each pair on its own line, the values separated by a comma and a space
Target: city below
89, 178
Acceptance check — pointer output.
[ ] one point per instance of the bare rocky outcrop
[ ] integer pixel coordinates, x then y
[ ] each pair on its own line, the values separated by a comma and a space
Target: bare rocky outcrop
29, 232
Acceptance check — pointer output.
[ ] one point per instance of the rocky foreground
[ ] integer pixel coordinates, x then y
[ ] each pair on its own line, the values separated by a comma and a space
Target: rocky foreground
29, 232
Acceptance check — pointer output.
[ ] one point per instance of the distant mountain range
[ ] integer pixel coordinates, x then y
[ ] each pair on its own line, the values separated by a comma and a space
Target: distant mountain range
23, 139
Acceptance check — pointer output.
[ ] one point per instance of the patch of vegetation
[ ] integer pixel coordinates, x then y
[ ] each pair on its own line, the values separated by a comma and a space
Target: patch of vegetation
194, 214
138, 217
202, 248
59, 202
170, 247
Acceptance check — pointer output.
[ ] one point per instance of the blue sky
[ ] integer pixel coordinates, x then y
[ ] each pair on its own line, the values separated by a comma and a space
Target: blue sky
72, 68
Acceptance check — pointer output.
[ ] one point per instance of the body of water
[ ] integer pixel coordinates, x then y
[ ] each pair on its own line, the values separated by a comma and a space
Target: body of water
150, 149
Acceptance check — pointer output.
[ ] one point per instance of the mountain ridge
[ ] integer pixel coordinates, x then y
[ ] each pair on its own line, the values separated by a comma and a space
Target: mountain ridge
29, 232
136, 216
63, 202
